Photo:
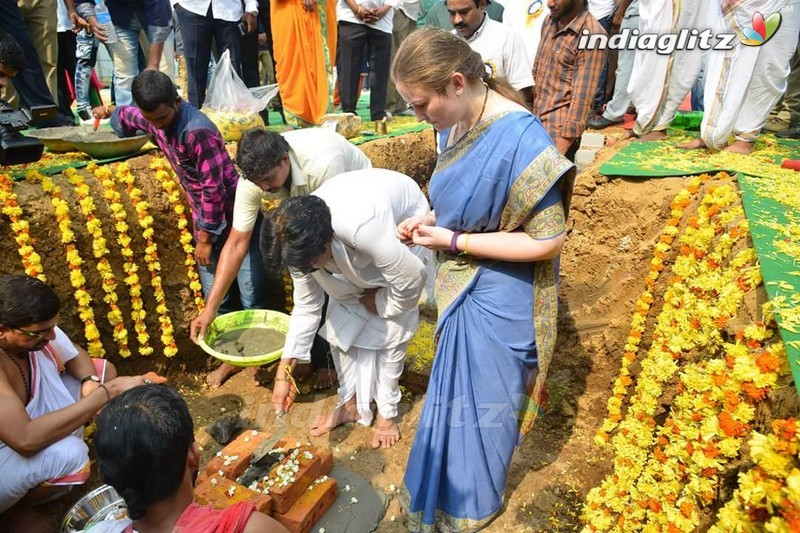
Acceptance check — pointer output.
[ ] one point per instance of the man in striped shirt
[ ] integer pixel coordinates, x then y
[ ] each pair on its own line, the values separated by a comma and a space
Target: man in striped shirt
565, 77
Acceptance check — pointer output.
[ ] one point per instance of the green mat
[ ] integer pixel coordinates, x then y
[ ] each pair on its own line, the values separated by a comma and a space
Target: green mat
773, 210
659, 159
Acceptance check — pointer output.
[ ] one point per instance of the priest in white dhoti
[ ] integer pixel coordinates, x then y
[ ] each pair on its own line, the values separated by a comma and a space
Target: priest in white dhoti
744, 84
340, 241
660, 82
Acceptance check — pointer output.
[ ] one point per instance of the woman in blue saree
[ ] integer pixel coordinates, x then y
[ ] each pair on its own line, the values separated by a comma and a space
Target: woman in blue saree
500, 195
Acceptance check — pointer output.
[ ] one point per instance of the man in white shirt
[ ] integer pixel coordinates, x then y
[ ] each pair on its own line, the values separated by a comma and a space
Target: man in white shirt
502, 50
200, 20
344, 245
271, 165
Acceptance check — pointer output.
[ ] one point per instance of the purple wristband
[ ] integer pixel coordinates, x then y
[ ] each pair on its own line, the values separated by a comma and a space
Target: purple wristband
454, 242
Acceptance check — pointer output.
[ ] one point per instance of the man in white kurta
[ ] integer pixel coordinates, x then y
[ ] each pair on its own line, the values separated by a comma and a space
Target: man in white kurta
365, 259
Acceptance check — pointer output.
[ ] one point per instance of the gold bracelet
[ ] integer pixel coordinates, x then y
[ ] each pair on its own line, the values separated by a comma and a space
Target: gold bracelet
466, 244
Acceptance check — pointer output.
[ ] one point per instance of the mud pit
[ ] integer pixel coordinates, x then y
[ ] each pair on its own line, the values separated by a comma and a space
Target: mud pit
249, 342
613, 226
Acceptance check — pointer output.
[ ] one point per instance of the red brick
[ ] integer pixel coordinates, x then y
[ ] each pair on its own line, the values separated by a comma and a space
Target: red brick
309, 507
216, 495
242, 447
309, 470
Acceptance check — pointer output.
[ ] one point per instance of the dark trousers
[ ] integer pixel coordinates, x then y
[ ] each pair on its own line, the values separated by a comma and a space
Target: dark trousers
600, 95
353, 38
29, 83
197, 32
65, 68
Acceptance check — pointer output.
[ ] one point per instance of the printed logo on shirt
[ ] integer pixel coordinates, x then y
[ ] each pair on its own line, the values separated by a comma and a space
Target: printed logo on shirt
762, 30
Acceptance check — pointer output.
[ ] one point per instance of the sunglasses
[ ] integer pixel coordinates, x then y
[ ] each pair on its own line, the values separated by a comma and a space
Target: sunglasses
36, 334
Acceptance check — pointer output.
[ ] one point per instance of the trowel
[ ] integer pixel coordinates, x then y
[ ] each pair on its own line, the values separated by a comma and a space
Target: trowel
278, 431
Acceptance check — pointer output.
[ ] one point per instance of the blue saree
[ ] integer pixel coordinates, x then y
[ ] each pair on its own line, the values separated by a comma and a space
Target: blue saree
497, 322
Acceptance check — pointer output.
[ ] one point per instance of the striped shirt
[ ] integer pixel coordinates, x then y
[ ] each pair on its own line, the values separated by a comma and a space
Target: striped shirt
566, 78
196, 151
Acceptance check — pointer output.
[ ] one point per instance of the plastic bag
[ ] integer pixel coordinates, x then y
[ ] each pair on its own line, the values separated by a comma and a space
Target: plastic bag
230, 105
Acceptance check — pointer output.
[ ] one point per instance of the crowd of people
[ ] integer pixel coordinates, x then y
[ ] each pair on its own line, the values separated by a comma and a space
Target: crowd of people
509, 93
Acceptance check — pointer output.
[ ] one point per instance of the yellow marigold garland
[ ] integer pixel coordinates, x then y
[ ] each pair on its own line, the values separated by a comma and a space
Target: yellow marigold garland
113, 198
124, 176
74, 260
31, 261
768, 497
101, 252
166, 177
663, 474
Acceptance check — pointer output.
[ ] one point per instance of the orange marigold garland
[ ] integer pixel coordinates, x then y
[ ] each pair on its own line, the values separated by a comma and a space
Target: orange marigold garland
120, 216
101, 252
31, 261
145, 220
166, 178
74, 260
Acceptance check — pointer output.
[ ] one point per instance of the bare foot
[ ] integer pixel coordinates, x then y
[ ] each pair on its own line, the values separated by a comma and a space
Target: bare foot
341, 415
694, 144
302, 372
739, 147
387, 433
221, 375
654, 136
253, 371
325, 378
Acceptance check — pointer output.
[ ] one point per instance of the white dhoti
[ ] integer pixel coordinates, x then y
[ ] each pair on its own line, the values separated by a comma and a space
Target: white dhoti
744, 84
65, 462
369, 375
659, 83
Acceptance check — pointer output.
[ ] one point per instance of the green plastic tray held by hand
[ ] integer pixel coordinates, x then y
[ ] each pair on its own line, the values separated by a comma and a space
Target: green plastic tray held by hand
243, 320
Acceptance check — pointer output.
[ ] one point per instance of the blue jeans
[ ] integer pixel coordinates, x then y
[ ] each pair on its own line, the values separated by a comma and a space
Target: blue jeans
125, 53
86, 55
250, 279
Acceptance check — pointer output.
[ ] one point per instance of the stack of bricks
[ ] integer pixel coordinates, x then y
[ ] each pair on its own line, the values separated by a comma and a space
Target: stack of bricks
297, 504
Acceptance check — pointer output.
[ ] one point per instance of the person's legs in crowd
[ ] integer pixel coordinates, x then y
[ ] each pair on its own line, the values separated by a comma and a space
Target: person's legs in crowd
195, 32
125, 53
66, 69
791, 100
600, 96
41, 17
618, 105
85, 55
380, 53
352, 39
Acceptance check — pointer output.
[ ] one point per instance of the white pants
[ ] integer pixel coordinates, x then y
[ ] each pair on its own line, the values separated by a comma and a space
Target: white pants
660, 83
744, 84
368, 375
619, 103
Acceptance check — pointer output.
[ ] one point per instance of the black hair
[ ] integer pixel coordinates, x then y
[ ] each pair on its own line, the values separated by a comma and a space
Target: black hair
11, 53
26, 300
143, 436
151, 89
296, 234
259, 151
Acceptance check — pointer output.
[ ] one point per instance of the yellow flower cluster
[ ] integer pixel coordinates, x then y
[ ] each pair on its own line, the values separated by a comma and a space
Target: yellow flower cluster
663, 245
113, 198
124, 176
166, 177
74, 260
768, 496
101, 252
31, 261
662, 474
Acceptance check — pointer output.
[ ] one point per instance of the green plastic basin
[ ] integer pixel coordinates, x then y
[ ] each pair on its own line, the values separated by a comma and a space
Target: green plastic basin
238, 320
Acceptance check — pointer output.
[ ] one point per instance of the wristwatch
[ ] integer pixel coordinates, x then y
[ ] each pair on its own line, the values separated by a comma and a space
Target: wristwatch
93, 377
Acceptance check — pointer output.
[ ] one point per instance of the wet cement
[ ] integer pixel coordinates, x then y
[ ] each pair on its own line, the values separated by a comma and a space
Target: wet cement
249, 342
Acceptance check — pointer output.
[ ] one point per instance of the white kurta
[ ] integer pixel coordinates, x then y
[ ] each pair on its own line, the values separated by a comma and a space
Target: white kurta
62, 460
366, 207
744, 84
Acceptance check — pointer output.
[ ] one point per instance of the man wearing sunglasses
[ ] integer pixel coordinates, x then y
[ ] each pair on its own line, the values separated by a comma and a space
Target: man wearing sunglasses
49, 388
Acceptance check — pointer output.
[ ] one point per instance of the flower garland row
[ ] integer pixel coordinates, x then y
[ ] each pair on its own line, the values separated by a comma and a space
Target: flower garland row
114, 200
166, 177
75, 261
31, 261
768, 496
145, 220
101, 253
661, 475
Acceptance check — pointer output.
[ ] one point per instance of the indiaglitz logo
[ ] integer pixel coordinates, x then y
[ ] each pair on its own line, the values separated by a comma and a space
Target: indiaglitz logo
762, 30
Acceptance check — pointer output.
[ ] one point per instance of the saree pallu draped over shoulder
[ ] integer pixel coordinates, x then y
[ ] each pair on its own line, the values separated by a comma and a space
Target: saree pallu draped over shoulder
497, 322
